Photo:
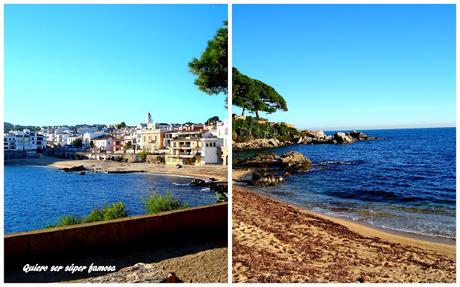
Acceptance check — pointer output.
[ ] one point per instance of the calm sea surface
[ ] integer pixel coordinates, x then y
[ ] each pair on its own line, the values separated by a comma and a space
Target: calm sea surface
404, 181
36, 196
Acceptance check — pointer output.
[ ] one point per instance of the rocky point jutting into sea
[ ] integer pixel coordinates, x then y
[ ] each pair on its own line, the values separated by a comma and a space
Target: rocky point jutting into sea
305, 137
271, 169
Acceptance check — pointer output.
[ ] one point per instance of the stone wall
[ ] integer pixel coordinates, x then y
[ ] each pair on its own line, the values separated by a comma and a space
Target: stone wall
115, 233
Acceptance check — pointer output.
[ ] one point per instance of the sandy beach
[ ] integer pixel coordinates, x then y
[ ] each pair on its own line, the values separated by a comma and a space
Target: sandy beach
218, 172
277, 242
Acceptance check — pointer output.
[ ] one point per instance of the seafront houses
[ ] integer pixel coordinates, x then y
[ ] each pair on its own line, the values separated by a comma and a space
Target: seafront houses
194, 148
184, 149
17, 144
89, 136
152, 140
71, 138
118, 144
104, 143
211, 148
168, 137
151, 136
220, 130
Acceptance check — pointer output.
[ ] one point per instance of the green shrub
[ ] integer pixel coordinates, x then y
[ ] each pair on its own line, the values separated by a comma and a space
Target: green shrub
93, 216
114, 211
156, 203
108, 212
65, 221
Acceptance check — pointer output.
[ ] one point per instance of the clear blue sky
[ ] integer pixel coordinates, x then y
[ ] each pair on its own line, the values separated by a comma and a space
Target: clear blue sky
352, 66
71, 64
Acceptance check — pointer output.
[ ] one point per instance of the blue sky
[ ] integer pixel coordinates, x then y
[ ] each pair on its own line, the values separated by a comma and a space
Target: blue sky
71, 64
352, 66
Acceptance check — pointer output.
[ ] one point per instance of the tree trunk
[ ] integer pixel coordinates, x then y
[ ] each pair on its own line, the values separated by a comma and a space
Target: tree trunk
242, 113
257, 114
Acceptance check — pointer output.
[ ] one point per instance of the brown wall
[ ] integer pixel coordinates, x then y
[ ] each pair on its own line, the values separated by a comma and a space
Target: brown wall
116, 232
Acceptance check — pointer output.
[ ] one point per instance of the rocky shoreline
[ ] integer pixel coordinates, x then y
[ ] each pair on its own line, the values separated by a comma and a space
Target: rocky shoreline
271, 169
214, 185
306, 137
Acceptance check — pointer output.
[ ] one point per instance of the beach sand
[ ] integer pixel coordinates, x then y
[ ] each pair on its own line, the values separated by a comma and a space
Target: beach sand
218, 172
277, 242
208, 266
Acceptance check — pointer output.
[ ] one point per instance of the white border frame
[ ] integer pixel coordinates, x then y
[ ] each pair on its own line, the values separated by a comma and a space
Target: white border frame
229, 3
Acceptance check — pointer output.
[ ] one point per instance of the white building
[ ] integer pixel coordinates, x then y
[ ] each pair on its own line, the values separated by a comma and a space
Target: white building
72, 137
210, 148
104, 143
89, 136
24, 140
220, 130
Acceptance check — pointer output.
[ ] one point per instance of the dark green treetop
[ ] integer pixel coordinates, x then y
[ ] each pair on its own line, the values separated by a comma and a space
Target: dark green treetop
255, 96
211, 68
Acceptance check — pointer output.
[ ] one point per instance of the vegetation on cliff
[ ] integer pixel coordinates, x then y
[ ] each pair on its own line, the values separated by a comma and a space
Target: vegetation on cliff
250, 128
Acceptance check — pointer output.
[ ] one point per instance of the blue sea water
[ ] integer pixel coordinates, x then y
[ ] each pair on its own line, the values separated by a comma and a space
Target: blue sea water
403, 181
36, 196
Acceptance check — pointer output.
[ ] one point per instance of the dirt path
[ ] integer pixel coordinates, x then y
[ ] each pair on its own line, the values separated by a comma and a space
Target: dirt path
276, 242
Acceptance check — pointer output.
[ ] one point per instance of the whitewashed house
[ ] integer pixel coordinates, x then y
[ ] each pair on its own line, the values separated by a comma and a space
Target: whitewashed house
105, 143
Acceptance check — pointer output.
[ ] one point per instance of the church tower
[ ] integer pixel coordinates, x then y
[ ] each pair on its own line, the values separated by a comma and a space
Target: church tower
148, 119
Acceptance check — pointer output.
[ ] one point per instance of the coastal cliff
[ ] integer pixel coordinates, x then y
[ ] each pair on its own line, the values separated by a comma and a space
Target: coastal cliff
250, 133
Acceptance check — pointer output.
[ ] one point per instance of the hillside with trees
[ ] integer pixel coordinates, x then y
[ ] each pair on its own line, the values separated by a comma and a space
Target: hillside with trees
254, 96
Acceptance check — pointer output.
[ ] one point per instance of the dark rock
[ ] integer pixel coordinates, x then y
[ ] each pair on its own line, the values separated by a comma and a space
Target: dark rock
294, 158
172, 278
359, 135
219, 187
125, 171
75, 168
261, 160
271, 168
265, 177
343, 138
82, 173
198, 182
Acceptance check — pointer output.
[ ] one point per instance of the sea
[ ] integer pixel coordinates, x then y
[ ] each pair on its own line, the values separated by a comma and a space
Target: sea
36, 196
404, 180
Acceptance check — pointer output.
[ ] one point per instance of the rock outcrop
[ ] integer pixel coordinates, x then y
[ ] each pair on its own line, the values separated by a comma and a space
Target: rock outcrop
291, 158
306, 137
219, 187
271, 169
343, 138
74, 168
259, 143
